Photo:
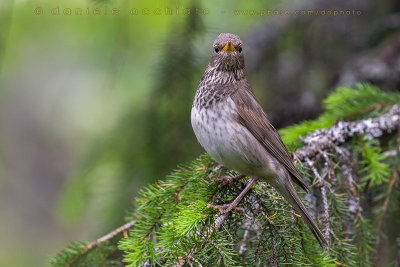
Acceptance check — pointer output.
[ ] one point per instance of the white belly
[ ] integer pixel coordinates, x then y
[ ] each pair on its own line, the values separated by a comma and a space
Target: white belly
231, 145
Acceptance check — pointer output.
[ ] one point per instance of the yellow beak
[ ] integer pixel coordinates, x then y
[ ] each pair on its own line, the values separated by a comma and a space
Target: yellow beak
229, 47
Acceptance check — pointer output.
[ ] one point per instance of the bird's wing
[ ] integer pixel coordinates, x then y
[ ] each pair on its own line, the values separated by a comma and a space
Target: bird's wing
253, 117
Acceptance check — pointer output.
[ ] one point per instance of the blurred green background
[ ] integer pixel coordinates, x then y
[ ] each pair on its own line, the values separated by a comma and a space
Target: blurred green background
94, 106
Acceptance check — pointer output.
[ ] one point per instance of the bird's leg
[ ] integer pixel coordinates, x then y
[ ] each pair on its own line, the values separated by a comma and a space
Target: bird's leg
233, 205
226, 179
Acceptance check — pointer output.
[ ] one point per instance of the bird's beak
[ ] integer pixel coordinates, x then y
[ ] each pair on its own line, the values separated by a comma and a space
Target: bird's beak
229, 47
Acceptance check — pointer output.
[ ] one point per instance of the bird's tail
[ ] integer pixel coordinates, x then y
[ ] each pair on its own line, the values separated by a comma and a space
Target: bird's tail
290, 194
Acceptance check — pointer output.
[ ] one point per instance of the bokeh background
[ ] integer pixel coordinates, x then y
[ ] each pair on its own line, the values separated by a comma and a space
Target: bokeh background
94, 106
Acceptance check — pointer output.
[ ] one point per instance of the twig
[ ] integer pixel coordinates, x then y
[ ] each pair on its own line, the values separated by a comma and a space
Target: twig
386, 202
331, 170
322, 186
196, 261
247, 227
271, 224
259, 242
355, 205
98, 242
273, 250
218, 249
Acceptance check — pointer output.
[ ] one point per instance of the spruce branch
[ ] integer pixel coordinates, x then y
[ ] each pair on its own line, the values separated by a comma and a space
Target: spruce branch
326, 139
175, 225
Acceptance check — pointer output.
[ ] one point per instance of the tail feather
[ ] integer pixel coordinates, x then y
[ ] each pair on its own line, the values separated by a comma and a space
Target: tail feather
290, 194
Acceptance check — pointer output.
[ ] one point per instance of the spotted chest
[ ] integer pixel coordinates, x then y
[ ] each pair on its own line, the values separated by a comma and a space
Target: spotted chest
226, 140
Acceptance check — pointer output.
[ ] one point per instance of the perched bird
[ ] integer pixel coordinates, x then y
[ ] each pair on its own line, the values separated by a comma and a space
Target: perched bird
233, 128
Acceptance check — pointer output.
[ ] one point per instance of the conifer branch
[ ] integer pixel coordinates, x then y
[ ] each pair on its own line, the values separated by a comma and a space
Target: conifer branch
185, 232
326, 139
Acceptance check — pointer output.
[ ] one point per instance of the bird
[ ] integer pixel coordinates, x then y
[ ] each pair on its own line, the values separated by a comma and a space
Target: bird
235, 131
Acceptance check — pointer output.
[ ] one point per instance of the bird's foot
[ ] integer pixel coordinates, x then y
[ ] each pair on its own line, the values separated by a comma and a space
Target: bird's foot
226, 179
233, 206
225, 208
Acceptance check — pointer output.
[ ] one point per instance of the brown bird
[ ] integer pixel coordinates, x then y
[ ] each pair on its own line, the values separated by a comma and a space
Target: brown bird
233, 128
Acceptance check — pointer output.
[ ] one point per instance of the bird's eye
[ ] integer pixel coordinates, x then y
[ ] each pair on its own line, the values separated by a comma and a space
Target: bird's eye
216, 49
239, 49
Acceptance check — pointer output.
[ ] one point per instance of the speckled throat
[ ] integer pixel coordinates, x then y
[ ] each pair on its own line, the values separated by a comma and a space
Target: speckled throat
217, 84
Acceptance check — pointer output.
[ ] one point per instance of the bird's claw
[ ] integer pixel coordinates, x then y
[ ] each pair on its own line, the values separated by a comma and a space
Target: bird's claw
225, 180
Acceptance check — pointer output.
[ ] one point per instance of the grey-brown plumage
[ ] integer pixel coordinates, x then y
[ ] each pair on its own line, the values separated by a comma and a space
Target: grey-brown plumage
233, 128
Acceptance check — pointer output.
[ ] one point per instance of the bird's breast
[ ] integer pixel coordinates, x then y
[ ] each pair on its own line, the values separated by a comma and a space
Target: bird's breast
226, 140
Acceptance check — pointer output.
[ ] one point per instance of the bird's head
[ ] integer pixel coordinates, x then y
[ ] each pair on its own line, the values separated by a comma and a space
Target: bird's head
228, 54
